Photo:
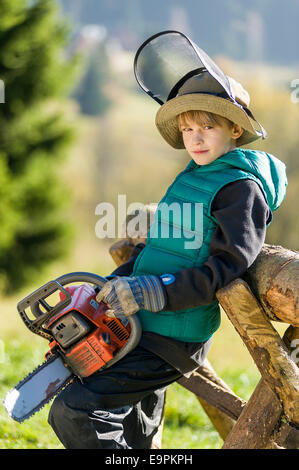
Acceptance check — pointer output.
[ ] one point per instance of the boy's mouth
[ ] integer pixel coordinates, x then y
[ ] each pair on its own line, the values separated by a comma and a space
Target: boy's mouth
200, 151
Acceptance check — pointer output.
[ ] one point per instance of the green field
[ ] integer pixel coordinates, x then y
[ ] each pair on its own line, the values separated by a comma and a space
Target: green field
186, 424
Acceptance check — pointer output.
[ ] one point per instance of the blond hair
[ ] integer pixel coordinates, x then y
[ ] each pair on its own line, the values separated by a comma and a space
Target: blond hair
203, 118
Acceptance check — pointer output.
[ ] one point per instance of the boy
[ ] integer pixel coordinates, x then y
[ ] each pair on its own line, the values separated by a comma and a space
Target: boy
169, 286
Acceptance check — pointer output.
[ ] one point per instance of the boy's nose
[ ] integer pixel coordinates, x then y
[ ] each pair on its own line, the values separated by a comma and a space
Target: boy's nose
197, 137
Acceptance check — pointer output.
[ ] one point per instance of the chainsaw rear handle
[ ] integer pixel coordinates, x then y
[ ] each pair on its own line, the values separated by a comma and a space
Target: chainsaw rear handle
37, 298
134, 322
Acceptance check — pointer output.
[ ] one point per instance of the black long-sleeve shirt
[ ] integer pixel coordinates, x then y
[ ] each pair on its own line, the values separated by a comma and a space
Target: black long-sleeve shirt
242, 215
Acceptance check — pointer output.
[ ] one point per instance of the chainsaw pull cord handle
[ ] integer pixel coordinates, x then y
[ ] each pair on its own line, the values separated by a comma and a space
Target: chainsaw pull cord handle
98, 282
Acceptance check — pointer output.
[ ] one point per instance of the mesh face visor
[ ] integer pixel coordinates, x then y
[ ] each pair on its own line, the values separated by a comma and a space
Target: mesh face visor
166, 60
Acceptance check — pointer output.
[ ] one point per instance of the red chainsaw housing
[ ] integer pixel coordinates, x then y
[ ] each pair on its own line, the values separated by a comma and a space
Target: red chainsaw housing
92, 352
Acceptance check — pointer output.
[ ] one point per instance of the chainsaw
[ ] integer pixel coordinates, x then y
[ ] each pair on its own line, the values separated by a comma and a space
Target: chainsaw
82, 339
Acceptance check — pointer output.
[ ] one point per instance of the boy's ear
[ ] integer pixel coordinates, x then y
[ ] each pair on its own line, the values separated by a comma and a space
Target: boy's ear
237, 131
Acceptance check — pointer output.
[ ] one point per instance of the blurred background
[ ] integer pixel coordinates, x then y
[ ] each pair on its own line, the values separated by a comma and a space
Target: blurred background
76, 130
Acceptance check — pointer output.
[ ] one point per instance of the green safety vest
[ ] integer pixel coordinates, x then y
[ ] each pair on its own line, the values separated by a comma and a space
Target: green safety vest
183, 226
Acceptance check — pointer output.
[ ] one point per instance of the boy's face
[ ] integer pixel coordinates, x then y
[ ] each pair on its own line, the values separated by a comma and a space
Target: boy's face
206, 143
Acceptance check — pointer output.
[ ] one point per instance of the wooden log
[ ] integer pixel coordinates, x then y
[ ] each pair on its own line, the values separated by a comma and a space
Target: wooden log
221, 398
262, 267
254, 428
220, 420
286, 436
269, 352
257, 420
273, 279
221, 404
137, 223
264, 403
207, 371
121, 251
291, 340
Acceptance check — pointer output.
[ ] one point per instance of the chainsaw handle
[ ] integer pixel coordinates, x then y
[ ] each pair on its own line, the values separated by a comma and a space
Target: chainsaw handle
98, 281
66, 279
81, 277
32, 302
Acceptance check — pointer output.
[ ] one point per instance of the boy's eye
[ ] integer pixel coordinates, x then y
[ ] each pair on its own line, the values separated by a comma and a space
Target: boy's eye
189, 129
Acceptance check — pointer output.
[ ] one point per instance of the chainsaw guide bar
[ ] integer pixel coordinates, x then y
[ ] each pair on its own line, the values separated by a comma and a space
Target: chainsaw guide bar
37, 389
82, 339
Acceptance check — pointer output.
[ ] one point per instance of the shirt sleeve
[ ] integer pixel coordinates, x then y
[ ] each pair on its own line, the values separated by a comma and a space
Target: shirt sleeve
242, 215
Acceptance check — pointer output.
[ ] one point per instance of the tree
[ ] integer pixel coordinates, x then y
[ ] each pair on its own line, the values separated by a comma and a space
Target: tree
90, 94
34, 137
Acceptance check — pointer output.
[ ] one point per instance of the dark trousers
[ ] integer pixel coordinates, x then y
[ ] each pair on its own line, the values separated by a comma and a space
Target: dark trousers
117, 408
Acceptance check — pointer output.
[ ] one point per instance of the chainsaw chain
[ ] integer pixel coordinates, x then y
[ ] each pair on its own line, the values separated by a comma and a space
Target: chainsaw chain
47, 400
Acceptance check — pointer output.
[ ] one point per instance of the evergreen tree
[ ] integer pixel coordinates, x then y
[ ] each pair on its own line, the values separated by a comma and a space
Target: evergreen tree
33, 138
91, 94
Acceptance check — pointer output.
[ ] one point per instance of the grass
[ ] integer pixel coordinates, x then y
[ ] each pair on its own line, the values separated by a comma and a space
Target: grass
186, 425
21, 357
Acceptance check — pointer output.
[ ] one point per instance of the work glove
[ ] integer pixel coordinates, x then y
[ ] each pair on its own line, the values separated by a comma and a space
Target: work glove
126, 295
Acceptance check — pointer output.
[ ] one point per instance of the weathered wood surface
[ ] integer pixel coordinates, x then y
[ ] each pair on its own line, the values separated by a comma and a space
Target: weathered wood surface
222, 422
121, 251
221, 397
259, 425
269, 352
221, 404
131, 235
252, 423
286, 436
273, 278
255, 425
